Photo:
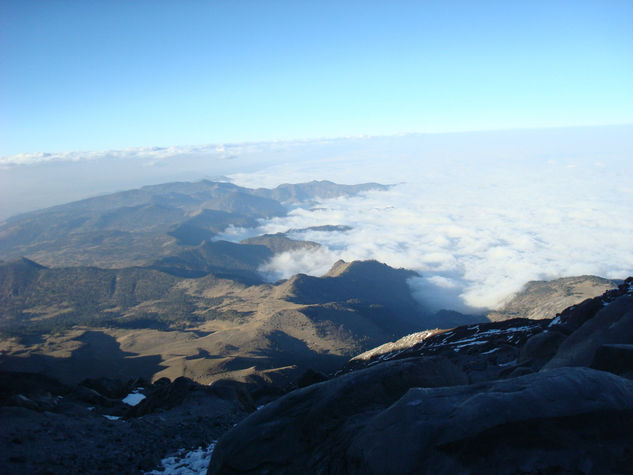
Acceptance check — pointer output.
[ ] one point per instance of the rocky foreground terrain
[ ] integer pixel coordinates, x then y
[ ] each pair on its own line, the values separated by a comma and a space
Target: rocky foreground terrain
520, 396
103, 425
523, 396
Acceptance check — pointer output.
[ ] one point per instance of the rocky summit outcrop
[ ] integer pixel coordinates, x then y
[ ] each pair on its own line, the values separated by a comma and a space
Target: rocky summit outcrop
436, 429
542, 421
511, 397
302, 432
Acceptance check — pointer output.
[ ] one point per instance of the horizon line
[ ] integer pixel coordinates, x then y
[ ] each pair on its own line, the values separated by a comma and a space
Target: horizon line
6, 159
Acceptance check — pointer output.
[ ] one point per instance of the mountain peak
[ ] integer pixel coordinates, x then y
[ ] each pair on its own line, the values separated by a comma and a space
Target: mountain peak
337, 268
24, 262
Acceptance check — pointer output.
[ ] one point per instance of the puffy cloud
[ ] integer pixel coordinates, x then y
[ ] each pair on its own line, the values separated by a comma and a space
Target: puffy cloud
286, 264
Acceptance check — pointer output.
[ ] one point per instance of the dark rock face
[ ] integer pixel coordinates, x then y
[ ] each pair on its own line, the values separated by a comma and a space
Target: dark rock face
490, 350
113, 388
31, 384
617, 359
298, 433
429, 421
362, 431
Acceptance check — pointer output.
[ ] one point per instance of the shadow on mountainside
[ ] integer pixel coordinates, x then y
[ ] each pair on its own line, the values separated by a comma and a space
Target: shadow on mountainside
286, 350
99, 356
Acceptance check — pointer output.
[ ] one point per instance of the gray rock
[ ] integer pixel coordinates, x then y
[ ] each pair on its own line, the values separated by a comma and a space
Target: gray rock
352, 424
301, 431
612, 324
409, 433
541, 347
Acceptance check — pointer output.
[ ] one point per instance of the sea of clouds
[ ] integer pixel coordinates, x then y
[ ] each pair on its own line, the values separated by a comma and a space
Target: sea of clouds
477, 221
477, 215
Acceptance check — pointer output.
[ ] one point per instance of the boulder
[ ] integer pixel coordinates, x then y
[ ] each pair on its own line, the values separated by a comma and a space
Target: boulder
565, 420
423, 426
35, 404
302, 430
613, 324
541, 347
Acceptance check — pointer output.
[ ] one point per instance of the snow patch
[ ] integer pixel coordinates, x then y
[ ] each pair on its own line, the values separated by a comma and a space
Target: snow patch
556, 321
490, 351
111, 418
134, 397
509, 363
471, 344
193, 462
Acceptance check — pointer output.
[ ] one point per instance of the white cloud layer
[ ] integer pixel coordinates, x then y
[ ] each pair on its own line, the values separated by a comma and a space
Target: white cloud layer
478, 215
475, 229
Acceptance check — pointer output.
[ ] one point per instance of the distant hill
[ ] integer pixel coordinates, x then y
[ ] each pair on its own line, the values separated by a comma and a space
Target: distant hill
544, 299
297, 193
137, 227
367, 281
205, 224
220, 258
279, 243
35, 300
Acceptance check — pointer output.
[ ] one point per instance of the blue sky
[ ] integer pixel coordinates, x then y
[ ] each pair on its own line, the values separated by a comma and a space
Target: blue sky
106, 75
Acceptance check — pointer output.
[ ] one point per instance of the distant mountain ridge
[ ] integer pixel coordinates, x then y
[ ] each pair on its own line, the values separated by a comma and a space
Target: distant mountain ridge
137, 227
